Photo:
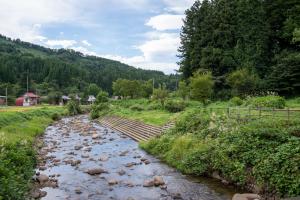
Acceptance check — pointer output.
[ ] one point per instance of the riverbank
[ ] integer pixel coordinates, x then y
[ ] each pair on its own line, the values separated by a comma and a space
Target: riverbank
261, 155
18, 132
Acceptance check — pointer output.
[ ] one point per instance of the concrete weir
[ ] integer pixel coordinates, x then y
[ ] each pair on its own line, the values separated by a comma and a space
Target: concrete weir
135, 129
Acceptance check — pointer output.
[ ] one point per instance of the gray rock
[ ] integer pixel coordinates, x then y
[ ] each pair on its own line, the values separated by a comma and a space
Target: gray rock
96, 171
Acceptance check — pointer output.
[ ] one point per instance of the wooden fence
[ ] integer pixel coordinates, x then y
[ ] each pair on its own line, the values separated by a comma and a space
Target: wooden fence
254, 113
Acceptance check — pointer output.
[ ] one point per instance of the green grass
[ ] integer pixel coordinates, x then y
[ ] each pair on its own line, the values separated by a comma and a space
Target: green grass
150, 113
18, 130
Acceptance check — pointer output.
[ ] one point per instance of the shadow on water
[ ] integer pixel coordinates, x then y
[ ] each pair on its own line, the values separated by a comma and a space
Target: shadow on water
75, 145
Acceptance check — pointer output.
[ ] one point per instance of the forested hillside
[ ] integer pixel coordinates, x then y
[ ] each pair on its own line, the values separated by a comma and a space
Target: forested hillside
248, 45
62, 71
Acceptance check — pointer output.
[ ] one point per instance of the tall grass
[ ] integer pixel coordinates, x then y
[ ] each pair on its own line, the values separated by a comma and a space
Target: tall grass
18, 131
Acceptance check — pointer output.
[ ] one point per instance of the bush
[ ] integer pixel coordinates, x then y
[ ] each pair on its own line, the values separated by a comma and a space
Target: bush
73, 108
137, 107
202, 87
55, 116
270, 101
236, 101
174, 106
99, 110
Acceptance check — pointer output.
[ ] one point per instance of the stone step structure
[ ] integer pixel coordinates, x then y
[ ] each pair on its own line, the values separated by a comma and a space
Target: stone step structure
137, 130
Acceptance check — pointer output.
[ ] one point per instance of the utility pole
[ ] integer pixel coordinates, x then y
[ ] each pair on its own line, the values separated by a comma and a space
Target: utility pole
153, 85
6, 96
27, 81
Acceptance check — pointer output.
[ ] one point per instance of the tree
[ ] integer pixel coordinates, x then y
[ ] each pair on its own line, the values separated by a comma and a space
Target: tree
161, 94
183, 90
92, 89
242, 82
201, 86
102, 97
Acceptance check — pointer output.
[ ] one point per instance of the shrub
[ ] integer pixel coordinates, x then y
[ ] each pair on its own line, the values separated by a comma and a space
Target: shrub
73, 108
242, 81
55, 116
99, 110
236, 101
202, 87
270, 101
102, 97
137, 107
174, 106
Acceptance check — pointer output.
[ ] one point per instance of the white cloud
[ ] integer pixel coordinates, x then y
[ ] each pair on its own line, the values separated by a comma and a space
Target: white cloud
178, 6
60, 43
158, 53
86, 43
23, 19
166, 22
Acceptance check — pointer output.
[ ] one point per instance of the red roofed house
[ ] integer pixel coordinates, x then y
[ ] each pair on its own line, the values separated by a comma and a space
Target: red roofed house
28, 99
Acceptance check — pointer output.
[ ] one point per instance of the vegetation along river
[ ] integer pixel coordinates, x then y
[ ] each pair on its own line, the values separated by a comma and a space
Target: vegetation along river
82, 160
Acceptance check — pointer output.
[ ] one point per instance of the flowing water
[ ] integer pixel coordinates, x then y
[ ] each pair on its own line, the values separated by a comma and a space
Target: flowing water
77, 139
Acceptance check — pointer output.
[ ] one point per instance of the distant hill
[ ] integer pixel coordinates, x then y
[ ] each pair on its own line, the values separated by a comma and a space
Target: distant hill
63, 70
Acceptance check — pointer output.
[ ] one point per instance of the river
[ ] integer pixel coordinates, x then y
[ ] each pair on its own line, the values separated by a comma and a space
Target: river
75, 146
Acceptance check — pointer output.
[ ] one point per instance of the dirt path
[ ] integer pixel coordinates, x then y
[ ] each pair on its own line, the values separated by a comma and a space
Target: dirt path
82, 160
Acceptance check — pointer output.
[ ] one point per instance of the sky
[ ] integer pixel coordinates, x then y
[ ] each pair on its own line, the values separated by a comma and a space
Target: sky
141, 33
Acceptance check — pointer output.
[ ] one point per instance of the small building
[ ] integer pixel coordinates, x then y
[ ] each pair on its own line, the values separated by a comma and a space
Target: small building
28, 99
2, 100
91, 99
65, 99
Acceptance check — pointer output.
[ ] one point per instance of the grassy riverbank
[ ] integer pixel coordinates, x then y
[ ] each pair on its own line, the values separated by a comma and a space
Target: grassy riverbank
262, 152
18, 130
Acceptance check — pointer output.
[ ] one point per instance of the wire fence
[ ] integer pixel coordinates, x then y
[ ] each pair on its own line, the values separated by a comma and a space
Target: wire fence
255, 113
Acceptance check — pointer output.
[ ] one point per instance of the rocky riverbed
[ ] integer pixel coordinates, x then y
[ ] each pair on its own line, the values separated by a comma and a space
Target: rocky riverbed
82, 160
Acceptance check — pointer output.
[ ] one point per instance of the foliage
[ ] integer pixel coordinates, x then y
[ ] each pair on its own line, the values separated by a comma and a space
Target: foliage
137, 107
161, 94
99, 110
201, 86
174, 106
92, 89
132, 88
261, 37
183, 90
73, 107
17, 136
101, 105
269, 101
102, 97
236, 101
262, 152
242, 82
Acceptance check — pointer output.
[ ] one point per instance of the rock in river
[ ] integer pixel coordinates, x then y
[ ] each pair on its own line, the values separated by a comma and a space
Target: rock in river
96, 171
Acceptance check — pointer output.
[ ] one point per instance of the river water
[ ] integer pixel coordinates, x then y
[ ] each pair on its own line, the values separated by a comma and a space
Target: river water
77, 139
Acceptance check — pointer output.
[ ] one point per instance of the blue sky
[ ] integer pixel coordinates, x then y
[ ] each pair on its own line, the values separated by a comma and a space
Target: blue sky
141, 33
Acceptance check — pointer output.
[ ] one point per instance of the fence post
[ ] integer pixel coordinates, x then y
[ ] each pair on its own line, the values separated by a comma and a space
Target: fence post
249, 113
259, 112
288, 115
228, 112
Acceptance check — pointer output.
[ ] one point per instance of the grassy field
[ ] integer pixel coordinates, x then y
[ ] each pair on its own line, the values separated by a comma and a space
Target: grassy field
142, 110
152, 113
19, 127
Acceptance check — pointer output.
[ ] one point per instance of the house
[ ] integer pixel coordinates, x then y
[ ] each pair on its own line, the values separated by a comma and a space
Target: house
91, 99
65, 100
28, 99
2, 100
